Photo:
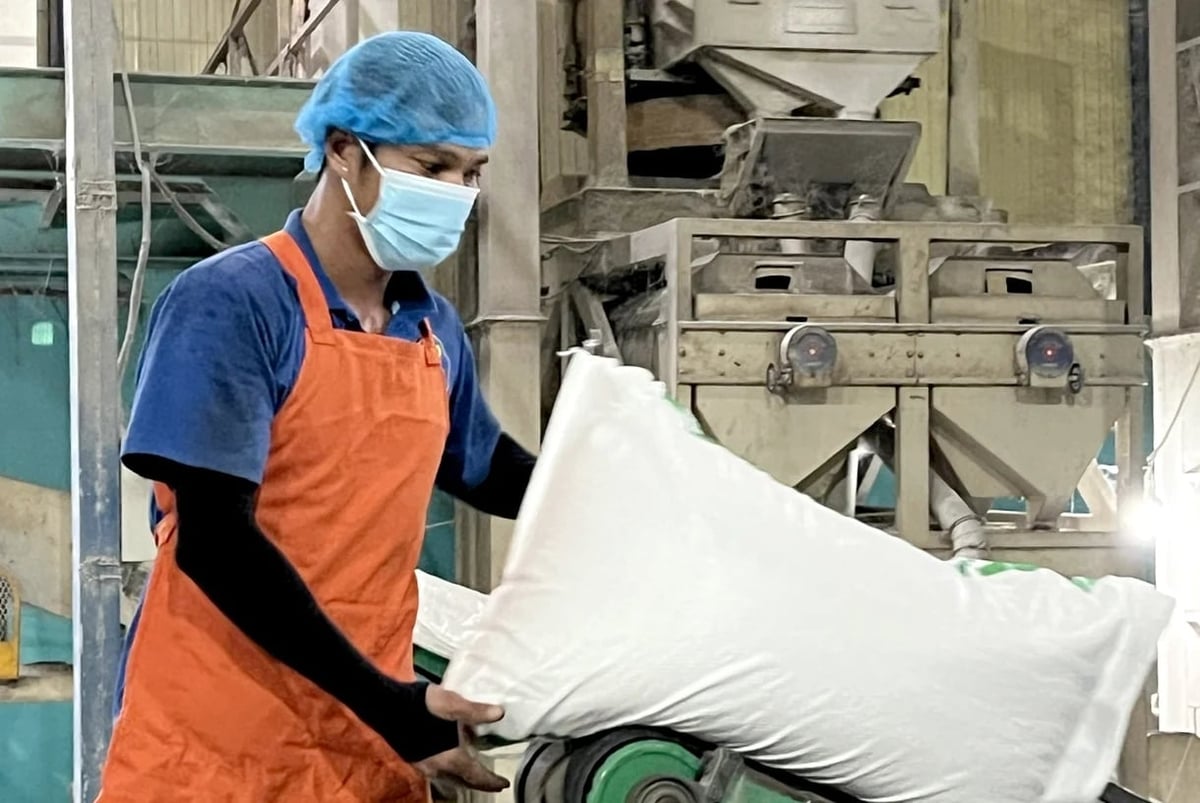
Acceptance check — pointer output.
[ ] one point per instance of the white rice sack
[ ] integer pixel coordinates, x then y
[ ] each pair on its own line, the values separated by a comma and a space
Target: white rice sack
446, 612
657, 579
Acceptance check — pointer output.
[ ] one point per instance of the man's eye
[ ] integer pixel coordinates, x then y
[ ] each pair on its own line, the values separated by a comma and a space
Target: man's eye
471, 179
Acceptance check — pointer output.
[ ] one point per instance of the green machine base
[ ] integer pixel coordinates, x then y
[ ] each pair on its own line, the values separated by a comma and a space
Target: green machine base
428, 665
637, 765
644, 765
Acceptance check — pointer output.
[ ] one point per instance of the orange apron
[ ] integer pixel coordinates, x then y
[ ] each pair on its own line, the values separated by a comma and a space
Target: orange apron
207, 715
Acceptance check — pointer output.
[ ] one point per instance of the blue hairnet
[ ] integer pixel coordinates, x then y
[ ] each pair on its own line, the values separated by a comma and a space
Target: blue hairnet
399, 88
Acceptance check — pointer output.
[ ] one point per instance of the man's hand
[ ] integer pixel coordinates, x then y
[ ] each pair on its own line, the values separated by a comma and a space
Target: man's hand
461, 765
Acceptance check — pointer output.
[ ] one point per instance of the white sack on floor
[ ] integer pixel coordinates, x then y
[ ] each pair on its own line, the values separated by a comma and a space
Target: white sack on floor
657, 579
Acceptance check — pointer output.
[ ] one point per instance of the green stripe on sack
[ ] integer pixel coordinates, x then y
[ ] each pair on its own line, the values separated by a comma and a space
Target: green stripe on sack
988, 568
693, 423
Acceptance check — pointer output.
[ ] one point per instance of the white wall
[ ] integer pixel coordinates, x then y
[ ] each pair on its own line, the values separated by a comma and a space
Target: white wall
18, 33
137, 543
1176, 525
1175, 215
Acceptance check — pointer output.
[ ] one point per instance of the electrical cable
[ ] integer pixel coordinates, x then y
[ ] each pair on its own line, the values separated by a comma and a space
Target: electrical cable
143, 256
185, 216
148, 177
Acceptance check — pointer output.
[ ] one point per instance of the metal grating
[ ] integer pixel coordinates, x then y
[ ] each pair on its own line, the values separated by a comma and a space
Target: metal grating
8, 610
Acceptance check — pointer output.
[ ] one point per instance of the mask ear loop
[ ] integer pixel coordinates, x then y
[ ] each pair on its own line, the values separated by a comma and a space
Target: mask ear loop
426, 183
357, 213
370, 156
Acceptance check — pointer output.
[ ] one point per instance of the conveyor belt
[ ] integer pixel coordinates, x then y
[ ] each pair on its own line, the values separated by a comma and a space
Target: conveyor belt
645, 765
638, 765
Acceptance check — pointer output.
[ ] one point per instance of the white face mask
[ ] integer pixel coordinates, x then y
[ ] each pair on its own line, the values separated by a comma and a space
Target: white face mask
416, 223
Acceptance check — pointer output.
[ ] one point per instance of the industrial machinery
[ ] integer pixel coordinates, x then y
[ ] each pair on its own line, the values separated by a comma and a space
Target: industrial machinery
822, 317
641, 765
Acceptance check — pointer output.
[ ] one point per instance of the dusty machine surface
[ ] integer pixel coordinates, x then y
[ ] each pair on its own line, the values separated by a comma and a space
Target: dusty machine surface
822, 317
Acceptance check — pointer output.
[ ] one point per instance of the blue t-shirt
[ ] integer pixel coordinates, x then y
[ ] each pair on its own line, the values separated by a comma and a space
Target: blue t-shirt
224, 344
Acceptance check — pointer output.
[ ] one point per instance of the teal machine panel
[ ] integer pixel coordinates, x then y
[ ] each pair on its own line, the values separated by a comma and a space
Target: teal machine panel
222, 149
35, 734
35, 751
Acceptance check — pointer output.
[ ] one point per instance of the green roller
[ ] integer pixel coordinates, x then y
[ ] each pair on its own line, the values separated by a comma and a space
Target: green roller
643, 772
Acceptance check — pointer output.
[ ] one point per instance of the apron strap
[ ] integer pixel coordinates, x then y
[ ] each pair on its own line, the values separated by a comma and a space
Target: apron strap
312, 297
431, 345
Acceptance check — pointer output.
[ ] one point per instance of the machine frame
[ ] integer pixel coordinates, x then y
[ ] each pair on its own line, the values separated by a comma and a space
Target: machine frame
907, 353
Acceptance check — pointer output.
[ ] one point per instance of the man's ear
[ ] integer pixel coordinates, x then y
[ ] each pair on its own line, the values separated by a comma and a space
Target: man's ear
343, 155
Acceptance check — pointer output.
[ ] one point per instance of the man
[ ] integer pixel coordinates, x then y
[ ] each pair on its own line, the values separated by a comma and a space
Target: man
297, 400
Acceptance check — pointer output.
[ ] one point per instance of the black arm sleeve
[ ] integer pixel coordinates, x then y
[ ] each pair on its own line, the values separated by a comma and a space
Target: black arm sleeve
503, 489
221, 548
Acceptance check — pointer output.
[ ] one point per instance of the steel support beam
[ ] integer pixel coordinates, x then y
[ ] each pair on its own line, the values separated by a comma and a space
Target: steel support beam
300, 37
508, 320
964, 168
89, 35
606, 135
221, 52
1166, 192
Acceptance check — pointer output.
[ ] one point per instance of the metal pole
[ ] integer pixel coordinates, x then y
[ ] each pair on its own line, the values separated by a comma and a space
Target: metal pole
1139, 146
963, 156
89, 36
508, 323
606, 134
1164, 62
